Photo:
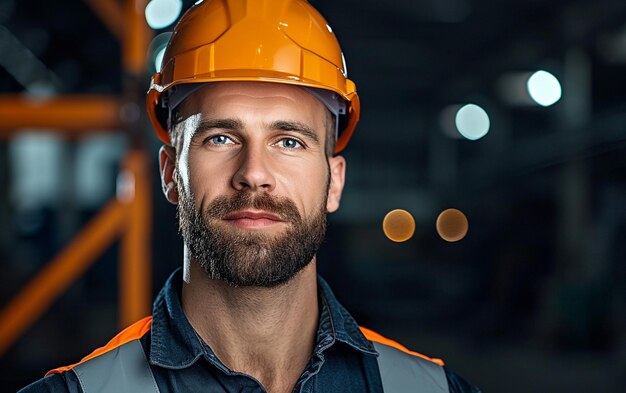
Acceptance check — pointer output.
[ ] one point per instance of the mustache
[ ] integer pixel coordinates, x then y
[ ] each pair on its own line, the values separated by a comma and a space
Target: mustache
283, 207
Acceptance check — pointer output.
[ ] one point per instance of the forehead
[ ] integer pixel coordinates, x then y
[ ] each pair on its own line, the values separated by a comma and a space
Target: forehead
218, 97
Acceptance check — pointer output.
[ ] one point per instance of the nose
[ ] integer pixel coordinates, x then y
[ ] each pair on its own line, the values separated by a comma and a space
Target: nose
254, 173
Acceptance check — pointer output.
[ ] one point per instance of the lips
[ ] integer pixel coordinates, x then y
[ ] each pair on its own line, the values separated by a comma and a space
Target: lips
241, 215
252, 220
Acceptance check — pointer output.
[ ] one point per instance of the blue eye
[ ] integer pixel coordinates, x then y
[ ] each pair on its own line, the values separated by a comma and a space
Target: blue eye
220, 140
290, 143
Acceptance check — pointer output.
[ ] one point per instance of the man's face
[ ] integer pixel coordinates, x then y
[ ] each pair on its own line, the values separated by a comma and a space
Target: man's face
252, 180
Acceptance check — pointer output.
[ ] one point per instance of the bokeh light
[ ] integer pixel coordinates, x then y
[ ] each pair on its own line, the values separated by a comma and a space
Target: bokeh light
452, 225
158, 58
157, 49
472, 122
399, 225
162, 13
544, 88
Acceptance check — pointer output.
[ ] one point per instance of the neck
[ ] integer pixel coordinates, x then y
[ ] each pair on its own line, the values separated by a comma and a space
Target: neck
268, 333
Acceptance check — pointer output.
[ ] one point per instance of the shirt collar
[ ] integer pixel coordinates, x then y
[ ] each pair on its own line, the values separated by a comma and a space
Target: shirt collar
335, 321
175, 344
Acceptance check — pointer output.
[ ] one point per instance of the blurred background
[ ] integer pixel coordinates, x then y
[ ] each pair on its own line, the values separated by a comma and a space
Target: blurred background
513, 112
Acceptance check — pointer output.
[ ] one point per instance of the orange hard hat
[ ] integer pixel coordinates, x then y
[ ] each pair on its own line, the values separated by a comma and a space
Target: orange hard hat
280, 41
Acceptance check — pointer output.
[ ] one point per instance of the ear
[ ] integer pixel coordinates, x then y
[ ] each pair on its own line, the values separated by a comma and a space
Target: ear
337, 179
167, 165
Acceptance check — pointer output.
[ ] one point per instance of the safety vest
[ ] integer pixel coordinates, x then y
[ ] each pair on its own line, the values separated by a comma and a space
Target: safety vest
124, 368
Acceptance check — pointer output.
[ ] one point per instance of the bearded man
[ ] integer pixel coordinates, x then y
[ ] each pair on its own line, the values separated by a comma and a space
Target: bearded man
253, 104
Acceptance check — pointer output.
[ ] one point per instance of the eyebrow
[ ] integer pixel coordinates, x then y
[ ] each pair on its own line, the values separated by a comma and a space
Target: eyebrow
295, 126
225, 124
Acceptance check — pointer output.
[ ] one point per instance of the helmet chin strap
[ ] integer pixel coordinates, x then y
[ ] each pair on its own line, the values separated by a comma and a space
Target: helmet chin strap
173, 97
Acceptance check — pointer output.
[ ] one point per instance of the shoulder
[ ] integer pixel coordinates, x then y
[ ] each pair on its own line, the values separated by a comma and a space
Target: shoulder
63, 379
382, 340
400, 368
133, 332
55, 383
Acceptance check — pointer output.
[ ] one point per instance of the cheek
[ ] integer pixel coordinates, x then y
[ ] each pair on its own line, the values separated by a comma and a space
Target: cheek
207, 178
306, 184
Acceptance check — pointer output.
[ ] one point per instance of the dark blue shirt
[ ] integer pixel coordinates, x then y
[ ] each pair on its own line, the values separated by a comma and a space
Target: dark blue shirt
343, 359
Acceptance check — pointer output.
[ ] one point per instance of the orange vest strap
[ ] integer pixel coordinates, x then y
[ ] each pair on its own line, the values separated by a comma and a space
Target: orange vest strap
133, 332
373, 336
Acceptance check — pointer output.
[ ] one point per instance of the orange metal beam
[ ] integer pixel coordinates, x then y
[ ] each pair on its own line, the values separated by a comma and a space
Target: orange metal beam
60, 273
71, 115
65, 114
137, 36
110, 13
135, 273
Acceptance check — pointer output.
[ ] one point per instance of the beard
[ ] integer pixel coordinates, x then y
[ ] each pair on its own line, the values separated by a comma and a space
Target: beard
249, 258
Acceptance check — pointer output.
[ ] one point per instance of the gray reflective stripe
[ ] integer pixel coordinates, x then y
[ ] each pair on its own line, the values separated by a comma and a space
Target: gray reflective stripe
401, 372
124, 369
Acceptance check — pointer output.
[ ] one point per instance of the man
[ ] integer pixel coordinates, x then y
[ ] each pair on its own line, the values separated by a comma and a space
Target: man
253, 104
